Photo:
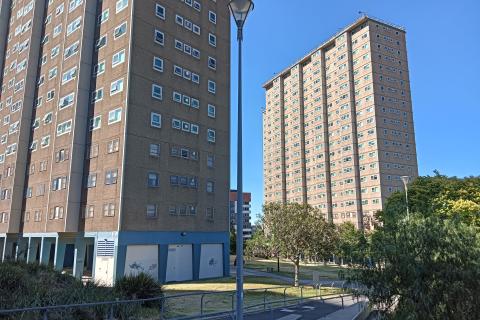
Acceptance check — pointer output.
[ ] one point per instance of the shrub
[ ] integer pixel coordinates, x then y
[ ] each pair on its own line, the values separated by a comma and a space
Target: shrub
141, 286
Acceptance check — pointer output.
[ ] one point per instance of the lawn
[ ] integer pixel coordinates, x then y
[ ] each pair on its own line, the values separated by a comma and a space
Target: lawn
221, 301
326, 272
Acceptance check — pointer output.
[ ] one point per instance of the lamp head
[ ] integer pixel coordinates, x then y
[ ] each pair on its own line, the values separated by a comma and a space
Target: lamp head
405, 179
240, 10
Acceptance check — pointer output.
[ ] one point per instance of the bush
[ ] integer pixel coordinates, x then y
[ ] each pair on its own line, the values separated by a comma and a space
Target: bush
141, 286
25, 285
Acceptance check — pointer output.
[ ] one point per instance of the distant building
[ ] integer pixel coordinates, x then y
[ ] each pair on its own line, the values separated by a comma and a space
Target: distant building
338, 124
247, 225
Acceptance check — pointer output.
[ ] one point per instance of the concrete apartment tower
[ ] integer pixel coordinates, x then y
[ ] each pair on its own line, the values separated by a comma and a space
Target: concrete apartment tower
338, 126
114, 148
247, 213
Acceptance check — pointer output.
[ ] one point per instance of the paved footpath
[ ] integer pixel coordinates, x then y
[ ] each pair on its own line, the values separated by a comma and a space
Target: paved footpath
314, 310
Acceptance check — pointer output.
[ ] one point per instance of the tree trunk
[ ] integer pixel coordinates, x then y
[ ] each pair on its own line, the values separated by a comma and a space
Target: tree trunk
278, 263
297, 269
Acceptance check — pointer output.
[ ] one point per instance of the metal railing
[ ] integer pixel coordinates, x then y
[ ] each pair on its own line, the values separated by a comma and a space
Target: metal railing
111, 310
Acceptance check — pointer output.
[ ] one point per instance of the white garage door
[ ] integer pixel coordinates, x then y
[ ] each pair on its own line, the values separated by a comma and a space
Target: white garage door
179, 263
142, 259
211, 261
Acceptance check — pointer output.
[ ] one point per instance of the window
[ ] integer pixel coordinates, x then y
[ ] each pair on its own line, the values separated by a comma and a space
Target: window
210, 186
120, 5
111, 176
61, 155
59, 183
212, 40
212, 63
195, 78
174, 180
157, 91
154, 150
118, 58
179, 20
158, 64
103, 16
194, 128
99, 68
210, 161
64, 127
211, 111
212, 17
66, 101
178, 71
159, 37
45, 142
185, 126
155, 120
113, 146
115, 116
97, 95
211, 135
101, 42
50, 95
196, 29
160, 11
92, 151
116, 87
74, 4
195, 103
185, 153
74, 25
177, 97
95, 123
34, 145
69, 75
153, 180
109, 209
212, 86
92, 180
176, 124
151, 211
120, 30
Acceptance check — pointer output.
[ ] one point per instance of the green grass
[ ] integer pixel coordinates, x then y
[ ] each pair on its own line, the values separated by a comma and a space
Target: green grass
326, 272
184, 306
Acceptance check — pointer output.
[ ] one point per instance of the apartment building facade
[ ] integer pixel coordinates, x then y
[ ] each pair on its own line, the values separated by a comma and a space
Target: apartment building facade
338, 125
114, 148
246, 213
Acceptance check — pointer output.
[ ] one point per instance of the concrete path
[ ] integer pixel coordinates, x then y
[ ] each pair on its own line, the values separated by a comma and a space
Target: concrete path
314, 310
345, 314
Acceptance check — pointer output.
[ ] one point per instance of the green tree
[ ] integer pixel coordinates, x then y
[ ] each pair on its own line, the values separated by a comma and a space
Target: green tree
427, 266
259, 246
351, 244
298, 231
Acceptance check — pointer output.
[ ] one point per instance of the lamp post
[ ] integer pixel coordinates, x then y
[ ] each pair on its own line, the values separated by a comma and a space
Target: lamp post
240, 10
405, 180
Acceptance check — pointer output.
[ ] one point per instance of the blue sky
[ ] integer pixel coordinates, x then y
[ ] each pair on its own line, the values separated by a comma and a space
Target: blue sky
443, 41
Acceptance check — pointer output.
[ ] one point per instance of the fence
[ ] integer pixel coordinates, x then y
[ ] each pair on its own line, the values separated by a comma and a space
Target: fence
263, 299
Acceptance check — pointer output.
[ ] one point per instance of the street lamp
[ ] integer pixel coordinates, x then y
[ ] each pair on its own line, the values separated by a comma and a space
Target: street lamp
240, 10
405, 180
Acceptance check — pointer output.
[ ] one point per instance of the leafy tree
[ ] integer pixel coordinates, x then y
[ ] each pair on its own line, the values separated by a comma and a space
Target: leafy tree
259, 246
298, 231
352, 243
427, 266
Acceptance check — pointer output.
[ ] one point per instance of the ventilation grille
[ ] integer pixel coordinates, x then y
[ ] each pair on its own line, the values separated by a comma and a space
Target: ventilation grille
105, 248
